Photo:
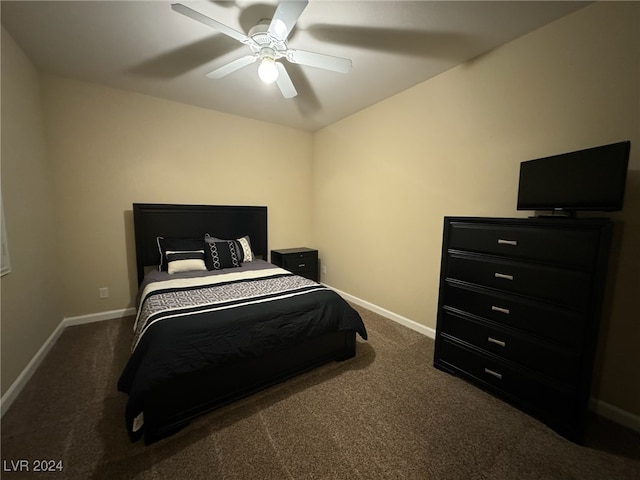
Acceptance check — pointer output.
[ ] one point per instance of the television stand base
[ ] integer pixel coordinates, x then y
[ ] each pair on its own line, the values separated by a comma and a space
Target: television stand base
559, 214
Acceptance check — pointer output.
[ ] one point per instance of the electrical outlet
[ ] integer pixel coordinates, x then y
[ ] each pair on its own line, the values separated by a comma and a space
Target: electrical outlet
324, 269
103, 292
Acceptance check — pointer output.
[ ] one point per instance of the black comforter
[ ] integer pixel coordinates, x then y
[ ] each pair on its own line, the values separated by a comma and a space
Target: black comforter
185, 325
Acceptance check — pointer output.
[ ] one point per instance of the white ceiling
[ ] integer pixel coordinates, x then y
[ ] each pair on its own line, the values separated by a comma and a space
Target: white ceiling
146, 47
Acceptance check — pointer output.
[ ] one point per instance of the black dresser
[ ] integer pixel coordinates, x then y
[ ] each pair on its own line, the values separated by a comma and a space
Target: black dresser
301, 261
519, 308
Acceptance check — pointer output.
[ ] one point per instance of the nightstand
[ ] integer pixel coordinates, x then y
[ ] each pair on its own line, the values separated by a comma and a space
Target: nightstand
301, 261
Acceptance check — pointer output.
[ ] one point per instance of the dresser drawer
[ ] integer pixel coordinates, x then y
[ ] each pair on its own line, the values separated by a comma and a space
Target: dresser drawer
305, 267
524, 350
563, 287
300, 262
569, 247
559, 325
547, 398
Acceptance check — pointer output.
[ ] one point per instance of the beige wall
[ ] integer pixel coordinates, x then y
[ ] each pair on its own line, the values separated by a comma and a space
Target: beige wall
110, 148
30, 295
385, 177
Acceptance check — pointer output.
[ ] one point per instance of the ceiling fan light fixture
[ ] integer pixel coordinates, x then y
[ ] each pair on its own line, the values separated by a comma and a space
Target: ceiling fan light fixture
268, 43
267, 70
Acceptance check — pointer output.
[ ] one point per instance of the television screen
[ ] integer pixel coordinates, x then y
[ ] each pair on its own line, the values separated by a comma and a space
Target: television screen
590, 179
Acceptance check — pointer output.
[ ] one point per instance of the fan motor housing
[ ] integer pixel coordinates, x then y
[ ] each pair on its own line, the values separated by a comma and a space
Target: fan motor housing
259, 33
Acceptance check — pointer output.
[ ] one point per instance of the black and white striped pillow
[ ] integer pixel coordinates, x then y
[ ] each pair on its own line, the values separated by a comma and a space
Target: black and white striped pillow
222, 254
243, 246
185, 261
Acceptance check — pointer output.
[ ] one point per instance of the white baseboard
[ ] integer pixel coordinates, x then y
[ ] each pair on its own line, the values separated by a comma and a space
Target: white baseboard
19, 383
615, 414
418, 327
98, 317
599, 407
16, 387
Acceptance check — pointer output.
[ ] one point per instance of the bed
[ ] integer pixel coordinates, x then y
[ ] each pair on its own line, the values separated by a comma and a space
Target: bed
205, 337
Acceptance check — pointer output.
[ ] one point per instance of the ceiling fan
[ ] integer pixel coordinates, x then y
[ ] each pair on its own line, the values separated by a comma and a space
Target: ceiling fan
268, 43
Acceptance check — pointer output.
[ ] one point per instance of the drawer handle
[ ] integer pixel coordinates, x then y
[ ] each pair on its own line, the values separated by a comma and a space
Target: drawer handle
500, 309
300, 265
502, 241
496, 341
503, 275
491, 372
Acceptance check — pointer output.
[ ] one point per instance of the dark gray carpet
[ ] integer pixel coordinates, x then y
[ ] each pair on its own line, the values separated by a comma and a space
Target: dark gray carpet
386, 414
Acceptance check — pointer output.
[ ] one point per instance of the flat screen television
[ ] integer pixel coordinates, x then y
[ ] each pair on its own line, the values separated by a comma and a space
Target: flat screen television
592, 179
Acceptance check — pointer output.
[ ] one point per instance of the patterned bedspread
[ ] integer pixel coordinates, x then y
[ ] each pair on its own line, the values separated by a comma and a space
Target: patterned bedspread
187, 324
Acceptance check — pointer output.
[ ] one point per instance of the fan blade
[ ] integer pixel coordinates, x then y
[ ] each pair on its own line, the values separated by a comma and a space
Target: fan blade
319, 60
222, 28
232, 66
284, 82
285, 18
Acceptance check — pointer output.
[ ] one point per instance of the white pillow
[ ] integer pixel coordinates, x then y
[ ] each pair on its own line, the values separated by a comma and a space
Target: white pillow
185, 261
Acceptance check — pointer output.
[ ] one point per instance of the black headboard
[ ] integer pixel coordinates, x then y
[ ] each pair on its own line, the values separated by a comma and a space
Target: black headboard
153, 220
